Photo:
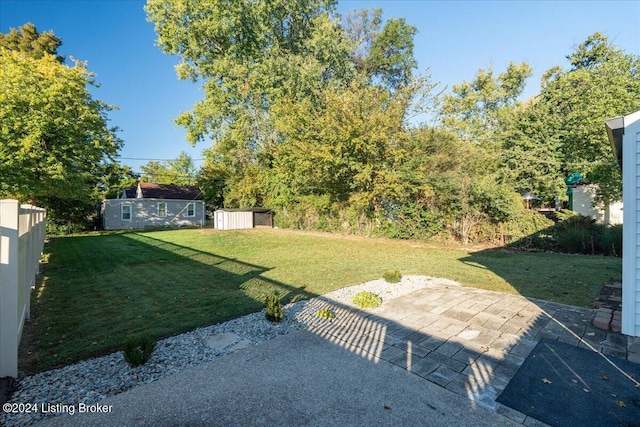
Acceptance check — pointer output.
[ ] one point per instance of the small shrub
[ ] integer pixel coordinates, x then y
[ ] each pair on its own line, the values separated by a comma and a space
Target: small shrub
325, 313
138, 350
392, 276
366, 299
275, 312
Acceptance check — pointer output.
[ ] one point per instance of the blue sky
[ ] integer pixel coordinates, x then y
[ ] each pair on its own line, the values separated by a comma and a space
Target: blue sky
455, 39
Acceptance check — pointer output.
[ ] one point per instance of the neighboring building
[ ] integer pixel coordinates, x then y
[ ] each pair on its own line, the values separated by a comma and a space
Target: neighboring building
154, 205
582, 203
624, 135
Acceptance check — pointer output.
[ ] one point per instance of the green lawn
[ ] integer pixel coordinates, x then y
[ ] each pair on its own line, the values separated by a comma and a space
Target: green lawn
97, 289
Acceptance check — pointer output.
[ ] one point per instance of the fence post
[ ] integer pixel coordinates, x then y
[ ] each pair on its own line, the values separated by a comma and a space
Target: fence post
9, 318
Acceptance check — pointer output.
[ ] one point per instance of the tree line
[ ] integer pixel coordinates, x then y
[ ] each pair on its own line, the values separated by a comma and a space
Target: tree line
326, 120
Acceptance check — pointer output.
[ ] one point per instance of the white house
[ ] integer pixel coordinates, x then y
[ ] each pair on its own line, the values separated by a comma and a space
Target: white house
624, 135
154, 205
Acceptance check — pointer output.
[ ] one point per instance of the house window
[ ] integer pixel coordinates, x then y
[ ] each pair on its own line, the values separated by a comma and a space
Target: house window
125, 212
162, 208
191, 209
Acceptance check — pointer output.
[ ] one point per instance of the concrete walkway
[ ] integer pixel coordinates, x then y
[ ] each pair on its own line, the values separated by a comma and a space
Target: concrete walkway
438, 356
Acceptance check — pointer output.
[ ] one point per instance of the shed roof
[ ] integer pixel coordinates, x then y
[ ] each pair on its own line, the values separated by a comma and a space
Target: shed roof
151, 190
257, 210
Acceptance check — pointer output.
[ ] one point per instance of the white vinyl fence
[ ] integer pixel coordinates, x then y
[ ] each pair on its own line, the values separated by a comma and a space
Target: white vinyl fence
22, 231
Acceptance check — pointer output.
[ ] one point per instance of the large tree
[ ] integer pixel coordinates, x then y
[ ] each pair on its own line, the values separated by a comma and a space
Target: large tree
602, 82
54, 136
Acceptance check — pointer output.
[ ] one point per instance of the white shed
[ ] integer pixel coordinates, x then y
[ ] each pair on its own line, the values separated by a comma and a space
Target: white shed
624, 135
582, 203
237, 219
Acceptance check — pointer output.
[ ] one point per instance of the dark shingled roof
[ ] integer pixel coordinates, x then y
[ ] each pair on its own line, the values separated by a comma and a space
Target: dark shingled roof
131, 192
169, 191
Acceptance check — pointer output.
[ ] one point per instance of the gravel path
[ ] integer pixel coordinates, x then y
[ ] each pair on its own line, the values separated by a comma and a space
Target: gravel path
93, 380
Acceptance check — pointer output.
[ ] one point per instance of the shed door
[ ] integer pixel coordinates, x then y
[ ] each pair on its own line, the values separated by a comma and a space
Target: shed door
219, 220
262, 219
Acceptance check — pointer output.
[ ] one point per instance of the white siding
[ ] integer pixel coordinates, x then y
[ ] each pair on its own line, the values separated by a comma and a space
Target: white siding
631, 238
583, 204
633, 305
233, 220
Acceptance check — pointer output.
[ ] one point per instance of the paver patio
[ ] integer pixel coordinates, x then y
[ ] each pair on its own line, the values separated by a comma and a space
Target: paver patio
468, 340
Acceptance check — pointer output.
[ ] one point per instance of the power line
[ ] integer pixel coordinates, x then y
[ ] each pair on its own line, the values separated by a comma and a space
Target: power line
159, 160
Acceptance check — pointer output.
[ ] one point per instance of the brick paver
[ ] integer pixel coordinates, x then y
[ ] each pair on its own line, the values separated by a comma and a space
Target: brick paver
468, 340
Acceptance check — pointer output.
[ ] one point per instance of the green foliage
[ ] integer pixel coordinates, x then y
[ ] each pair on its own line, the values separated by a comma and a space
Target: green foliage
392, 276
412, 221
525, 223
138, 350
55, 137
610, 240
366, 299
312, 117
115, 178
576, 240
575, 233
565, 214
581, 234
602, 83
180, 171
382, 54
476, 110
576, 221
29, 41
274, 311
325, 313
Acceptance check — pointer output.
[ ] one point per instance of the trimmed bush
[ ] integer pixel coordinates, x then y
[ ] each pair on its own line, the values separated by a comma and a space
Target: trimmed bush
392, 276
366, 299
138, 350
325, 313
275, 312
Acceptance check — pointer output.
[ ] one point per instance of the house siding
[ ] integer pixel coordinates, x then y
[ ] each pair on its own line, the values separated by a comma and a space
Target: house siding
633, 307
144, 214
631, 237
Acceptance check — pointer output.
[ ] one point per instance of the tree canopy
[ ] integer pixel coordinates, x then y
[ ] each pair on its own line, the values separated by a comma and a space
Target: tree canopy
29, 41
313, 115
180, 171
54, 136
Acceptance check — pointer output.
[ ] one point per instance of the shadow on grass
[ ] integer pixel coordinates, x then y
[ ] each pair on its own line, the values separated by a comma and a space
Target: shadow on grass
97, 290
562, 278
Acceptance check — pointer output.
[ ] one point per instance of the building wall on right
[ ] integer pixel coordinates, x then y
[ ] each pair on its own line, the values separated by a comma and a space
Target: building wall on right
631, 236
